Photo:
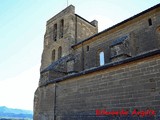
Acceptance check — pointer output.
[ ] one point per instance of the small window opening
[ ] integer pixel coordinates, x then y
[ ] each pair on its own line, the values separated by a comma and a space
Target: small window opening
55, 32
101, 58
87, 48
61, 28
53, 55
59, 52
150, 21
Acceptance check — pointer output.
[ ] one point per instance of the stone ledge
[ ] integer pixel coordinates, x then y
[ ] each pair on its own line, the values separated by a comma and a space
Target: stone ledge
138, 57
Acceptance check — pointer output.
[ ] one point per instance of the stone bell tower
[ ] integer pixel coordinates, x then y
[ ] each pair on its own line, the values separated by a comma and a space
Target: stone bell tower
62, 31
59, 36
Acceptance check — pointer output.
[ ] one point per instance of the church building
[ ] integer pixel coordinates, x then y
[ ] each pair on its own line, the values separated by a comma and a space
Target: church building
84, 72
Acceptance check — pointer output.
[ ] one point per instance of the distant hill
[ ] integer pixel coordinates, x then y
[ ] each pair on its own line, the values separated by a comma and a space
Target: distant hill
15, 114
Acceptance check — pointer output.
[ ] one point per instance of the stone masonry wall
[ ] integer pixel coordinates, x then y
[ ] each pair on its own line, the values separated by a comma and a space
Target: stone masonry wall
142, 37
129, 86
84, 29
44, 103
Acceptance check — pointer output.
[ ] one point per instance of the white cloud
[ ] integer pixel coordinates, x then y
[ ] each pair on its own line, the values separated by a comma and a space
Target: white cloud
18, 91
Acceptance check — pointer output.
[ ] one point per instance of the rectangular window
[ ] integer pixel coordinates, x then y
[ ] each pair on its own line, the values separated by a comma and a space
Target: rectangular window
149, 21
53, 55
55, 32
87, 48
61, 28
101, 58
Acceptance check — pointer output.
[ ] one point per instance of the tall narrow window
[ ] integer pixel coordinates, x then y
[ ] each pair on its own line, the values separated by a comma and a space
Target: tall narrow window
61, 29
53, 55
59, 52
87, 48
55, 32
150, 21
101, 58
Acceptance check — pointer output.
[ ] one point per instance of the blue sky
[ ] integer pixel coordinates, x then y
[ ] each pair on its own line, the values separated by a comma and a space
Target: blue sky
22, 28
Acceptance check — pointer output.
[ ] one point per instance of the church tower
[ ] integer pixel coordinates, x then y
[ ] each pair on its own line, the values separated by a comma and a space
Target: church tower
63, 31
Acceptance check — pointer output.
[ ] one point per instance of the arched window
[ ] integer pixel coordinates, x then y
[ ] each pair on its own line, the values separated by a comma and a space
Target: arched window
53, 55
59, 52
101, 58
61, 28
55, 32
